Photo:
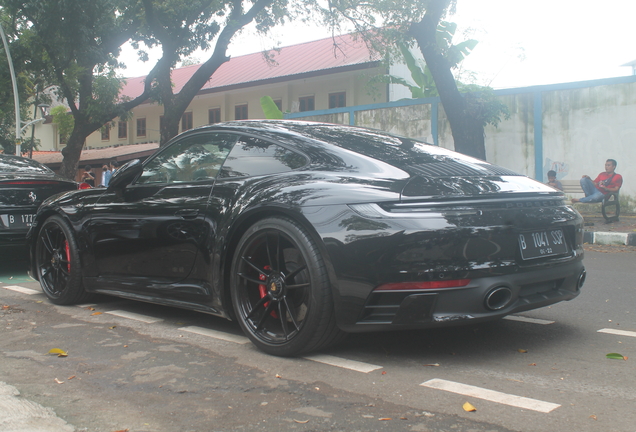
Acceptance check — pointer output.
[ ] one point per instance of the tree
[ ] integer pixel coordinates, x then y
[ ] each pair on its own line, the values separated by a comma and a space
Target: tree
388, 23
422, 84
180, 27
29, 80
78, 41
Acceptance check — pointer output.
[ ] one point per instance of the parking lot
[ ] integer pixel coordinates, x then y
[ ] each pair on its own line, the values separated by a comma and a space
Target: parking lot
144, 367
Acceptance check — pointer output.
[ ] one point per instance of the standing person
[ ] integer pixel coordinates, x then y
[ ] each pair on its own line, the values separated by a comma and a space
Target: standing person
88, 177
108, 173
114, 165
552, 180
605, 182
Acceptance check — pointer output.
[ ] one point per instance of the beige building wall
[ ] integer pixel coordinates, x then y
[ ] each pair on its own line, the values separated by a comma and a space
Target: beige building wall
352, 83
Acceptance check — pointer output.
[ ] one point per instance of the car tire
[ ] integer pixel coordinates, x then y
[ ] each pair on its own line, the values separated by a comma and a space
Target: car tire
281, 291
58, 264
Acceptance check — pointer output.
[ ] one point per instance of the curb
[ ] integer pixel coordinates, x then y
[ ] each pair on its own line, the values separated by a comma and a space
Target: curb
609, 238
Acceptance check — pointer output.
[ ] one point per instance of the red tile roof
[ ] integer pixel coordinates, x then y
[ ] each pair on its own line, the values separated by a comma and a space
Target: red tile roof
310, 57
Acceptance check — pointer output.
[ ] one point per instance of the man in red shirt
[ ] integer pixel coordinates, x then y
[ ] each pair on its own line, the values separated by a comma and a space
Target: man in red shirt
604, 183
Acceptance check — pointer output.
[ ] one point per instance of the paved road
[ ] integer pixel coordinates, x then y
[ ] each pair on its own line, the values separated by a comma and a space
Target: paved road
149, 368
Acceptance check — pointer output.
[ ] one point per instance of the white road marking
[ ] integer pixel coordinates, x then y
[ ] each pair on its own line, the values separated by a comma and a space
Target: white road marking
216, 334
134, 316
23, 290
528, 320
491, 395
344, 363
617, 332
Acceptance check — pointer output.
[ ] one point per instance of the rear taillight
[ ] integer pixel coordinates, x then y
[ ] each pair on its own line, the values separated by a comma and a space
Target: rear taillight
84, 186
399, 286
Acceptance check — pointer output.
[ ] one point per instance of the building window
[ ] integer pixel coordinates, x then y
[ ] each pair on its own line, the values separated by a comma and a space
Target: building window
141, 127
106, 132
122, 130
338, 100
186, 121
214, 115
279, 104
306, 103
240, 112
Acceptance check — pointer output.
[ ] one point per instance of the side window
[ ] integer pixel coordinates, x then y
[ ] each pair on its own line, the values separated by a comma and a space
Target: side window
195, 158
252, 157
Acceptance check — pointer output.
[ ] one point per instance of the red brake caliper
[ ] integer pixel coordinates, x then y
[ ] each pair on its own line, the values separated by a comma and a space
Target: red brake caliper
262, 290
68, 254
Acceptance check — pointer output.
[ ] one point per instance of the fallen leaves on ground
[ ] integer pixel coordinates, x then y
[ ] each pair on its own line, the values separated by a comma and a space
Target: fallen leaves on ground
469, 407
432, 364
522, 351
616, 356
301, 421
59, 352
96, 313
385, 419
58, 381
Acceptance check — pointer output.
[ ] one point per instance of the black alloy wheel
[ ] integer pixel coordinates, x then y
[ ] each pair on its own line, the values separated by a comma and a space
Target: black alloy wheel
280, 289
57, 263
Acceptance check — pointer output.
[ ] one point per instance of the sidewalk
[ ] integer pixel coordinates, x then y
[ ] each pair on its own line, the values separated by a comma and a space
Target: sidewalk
597, 231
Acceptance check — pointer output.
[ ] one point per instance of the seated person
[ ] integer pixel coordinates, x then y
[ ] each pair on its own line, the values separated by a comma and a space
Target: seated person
552, 180
606, 182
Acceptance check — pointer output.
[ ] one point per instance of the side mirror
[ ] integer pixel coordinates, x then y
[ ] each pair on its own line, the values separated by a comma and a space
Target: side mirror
125, 175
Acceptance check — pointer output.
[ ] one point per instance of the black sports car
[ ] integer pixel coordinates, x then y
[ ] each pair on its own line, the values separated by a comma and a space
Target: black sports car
305, 231
24, 185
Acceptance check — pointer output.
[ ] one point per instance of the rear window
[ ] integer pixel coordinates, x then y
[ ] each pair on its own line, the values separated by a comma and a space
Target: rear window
10, 164
382, 146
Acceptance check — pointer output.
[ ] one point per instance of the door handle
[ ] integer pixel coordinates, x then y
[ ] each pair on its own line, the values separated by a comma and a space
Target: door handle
187, 213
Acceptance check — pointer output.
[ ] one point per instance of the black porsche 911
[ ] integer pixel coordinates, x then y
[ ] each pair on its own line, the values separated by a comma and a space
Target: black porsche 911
303, 232
24, 185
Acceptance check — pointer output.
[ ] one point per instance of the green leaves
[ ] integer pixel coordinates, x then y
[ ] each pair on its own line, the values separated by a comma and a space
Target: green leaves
616, 356
270, 109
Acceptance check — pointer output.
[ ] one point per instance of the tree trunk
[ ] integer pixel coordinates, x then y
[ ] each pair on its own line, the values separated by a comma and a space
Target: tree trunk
73, 151
467, 130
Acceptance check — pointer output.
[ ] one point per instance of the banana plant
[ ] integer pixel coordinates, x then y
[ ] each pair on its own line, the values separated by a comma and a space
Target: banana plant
270, 109
422, 84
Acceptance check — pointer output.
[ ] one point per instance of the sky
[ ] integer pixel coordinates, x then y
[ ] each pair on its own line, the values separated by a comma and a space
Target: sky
521, 43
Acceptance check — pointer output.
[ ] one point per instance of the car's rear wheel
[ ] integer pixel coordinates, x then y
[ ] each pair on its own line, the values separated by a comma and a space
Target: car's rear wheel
57, 263
280, 289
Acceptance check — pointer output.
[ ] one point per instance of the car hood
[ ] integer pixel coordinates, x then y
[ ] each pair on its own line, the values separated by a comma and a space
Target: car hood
7, 176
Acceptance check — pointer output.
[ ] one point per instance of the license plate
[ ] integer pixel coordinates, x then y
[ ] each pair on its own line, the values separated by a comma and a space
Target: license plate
17, 221
542, 243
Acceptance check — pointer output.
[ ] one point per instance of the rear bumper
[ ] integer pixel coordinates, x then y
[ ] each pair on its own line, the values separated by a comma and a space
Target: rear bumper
484, 299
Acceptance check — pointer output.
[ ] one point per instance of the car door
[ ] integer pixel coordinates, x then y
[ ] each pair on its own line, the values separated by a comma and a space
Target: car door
154, 233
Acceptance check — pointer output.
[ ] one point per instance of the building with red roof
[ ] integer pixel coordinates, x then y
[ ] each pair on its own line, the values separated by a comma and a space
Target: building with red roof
327, 73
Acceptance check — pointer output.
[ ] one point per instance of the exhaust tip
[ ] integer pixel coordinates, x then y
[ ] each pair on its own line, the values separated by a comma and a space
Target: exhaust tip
581, 280
498, 298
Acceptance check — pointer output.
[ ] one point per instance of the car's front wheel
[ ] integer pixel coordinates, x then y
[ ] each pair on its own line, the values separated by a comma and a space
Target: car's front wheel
57, 263
280, 289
